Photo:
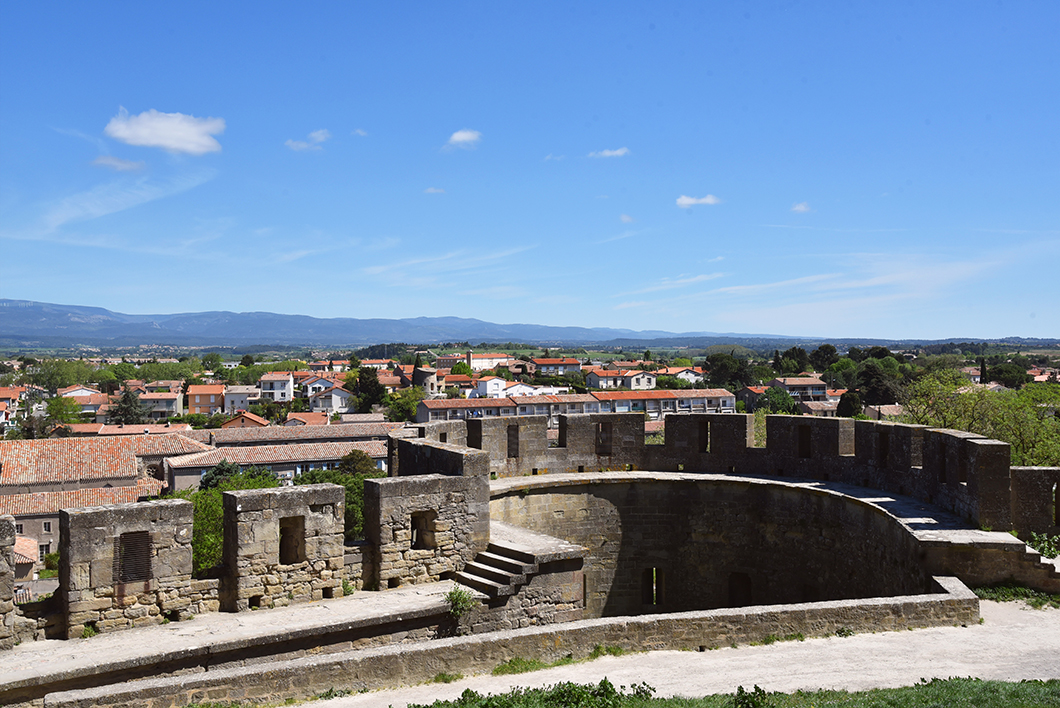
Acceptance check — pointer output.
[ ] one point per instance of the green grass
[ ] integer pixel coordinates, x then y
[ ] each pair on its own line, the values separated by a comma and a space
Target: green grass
936, 693
519, 665
1008, 592
444, 677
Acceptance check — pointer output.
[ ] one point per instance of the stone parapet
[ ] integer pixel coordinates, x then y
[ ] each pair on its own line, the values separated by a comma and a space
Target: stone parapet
124, 566
282, 546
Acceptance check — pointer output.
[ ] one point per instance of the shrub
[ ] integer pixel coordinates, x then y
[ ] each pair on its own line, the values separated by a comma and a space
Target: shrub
460, 601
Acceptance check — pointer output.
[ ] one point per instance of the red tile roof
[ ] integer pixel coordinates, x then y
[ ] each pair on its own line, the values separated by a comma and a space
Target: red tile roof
26, 550
276, 454
54, 460
49, 503
144, 429
206, 389
292, 433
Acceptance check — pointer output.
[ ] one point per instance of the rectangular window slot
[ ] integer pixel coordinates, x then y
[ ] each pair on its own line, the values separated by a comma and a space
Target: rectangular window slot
292, 540
652, 587
422, 524
603, 439
884, 450
443, 437
513, 441
704, 436
132, 557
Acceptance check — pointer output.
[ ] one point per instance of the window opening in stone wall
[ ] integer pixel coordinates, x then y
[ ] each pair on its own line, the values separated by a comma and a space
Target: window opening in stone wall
603, 439
804, 440
884, 449
652, 587
422, 523
443, 437
962, 465
739, 590
513, 441
132, 557
292, 540
1056, 505
704, 436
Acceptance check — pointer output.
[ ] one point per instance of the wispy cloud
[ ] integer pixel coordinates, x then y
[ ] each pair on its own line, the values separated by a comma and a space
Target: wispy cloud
118, 164
624, 235
685, 202
674, 283
801, 207
358, 131
626, 219
175, 132
760, 287
109, 198
312, 143
550, 156
434, 190
620, 152
464, 139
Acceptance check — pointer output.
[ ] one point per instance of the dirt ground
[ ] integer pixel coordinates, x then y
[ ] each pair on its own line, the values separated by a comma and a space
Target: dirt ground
1014, 642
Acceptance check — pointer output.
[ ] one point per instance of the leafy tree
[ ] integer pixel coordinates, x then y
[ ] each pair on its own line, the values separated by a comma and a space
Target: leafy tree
30, 427
461, 368
207, 534
1009, 375
672, 383
369, 391
823, 356
776, 400
794, 360
682, 361
418, 363
725, 371
124, 371
63, 411
212, 361
647, 355
404, 403
878, 382
453, 392
849, 405
128, 410
225, 470
247, 361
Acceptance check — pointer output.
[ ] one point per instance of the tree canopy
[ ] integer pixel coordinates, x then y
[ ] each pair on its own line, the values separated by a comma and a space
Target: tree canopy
128, 410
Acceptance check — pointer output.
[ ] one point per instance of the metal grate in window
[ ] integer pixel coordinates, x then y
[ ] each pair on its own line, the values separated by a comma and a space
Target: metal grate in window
132, 557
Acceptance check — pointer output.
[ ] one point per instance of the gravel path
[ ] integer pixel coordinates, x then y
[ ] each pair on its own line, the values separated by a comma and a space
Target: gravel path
1015, 642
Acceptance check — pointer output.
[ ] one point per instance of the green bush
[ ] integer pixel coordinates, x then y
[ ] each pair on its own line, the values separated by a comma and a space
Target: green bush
354, 468
460, 601
51, 560
207, 534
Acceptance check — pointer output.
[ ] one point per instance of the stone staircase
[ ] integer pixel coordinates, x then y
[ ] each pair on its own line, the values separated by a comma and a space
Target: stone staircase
513, 557
499, 571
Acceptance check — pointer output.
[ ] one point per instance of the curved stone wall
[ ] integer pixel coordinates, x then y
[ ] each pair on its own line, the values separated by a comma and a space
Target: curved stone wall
665, 542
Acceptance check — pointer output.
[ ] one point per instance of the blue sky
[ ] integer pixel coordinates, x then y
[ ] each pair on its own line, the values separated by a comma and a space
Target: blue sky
833, 169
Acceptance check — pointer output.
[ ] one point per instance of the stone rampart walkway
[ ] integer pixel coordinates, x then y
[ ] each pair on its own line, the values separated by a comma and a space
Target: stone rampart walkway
1013, 643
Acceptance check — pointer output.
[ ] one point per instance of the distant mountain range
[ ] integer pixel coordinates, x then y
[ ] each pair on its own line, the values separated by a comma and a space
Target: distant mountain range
27, 324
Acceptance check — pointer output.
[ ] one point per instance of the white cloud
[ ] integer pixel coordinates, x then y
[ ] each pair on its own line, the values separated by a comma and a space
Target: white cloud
313, 143
801, 208
360, 132
550, 156
670, 284
610, 153
686, 202
116, 163
174, 132
434, 190
464, 138
626, 219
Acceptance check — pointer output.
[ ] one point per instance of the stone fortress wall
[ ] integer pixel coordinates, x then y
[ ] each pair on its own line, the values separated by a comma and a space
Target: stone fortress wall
641, 528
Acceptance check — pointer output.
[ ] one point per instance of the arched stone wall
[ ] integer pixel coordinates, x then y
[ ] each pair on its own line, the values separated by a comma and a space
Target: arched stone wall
662, 542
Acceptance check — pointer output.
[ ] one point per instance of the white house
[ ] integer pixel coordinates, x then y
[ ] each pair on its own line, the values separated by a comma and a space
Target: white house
277, 385
334, 400
240, 398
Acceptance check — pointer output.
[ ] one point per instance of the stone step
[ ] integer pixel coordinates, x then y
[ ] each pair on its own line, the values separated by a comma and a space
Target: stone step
511, 552
516, 567
483, 585
489, 572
